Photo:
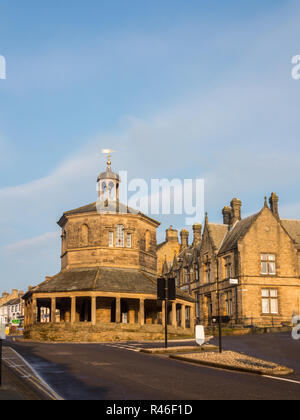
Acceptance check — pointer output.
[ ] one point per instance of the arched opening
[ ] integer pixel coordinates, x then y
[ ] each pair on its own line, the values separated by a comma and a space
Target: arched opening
111, 191
84, 235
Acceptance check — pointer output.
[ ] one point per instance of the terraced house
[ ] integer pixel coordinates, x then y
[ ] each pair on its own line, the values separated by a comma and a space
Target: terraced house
245, 269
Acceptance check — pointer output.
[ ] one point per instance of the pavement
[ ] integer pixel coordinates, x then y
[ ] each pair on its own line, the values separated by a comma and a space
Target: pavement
20, 381
118, 371
14, 389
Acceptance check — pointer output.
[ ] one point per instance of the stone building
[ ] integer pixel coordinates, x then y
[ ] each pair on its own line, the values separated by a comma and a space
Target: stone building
245, 269
11, 307
108, 273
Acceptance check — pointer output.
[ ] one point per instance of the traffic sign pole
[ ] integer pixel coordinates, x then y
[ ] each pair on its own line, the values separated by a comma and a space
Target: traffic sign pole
166, 323
166, 312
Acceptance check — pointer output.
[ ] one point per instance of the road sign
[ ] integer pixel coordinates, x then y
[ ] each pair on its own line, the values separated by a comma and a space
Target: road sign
233, 281
200, 335
2, 332
164, 292
161, 288
171, 288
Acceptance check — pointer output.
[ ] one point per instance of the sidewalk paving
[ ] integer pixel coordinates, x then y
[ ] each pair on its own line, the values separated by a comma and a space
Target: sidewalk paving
20, 381
14, 389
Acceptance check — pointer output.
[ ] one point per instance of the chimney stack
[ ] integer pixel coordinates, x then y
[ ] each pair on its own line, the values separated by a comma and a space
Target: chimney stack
184, 239
236, 205
171, 234
197, 228
226, 215
274, 204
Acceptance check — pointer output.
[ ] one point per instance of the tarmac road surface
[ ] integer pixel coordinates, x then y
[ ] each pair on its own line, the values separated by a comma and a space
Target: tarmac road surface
119, 372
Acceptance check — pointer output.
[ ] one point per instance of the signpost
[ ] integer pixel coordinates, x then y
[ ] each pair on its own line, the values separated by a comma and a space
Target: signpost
2, 337
166, 290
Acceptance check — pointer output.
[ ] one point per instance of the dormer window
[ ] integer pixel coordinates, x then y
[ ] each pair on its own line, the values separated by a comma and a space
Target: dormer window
120, 236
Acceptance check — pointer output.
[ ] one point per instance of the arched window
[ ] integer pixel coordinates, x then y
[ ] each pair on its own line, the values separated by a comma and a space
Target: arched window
147, 241
120, 236
104, 191
84, 235
111, 190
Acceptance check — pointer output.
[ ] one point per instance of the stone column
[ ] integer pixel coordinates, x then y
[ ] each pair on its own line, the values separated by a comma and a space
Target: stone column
93, 310
53, 309
118, 310
174, 320
73, 309
34, 311
142, 312
183, 323
193, 316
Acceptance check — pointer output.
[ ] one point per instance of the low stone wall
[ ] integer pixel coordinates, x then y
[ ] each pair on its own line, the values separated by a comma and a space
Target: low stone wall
245, 331
86, 332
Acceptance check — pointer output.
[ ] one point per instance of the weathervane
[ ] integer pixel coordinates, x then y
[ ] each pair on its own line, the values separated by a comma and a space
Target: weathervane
108, 152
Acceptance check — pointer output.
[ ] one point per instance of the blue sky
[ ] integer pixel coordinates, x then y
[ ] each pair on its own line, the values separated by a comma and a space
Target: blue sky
180, 89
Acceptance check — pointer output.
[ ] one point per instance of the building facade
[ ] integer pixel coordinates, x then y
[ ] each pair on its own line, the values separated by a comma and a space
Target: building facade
245, 270
12, 311
108, 269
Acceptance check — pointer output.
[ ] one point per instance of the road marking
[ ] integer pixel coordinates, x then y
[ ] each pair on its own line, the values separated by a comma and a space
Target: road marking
37, 380
281, 379
123, 347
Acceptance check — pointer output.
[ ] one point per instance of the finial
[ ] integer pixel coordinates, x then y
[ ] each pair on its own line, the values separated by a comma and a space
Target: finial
108, 152
266, 202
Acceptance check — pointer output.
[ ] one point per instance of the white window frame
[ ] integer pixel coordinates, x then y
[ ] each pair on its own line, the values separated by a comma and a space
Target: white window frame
268, 264
269, 299
120, 239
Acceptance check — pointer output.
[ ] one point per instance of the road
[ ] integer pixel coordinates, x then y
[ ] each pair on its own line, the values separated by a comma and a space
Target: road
119, 372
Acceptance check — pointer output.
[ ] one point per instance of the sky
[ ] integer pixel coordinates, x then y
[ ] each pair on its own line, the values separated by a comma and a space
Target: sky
180, 89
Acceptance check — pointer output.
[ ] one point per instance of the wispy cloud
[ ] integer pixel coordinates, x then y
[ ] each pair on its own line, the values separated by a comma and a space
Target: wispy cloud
28, 244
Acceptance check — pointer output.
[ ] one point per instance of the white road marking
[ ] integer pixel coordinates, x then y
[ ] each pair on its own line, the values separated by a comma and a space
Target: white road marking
123, 346
35, 379
281, 379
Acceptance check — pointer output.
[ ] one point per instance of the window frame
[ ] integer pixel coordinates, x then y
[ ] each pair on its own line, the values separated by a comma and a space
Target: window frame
128, 240
111, 239
120, 236
270, 259
228, 267
269, 300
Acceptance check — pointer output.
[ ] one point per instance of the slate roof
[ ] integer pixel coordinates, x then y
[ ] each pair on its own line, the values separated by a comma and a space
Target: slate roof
237, 233
293, 229
112, 207
217, 233
93, 207
12, 302
113, 280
